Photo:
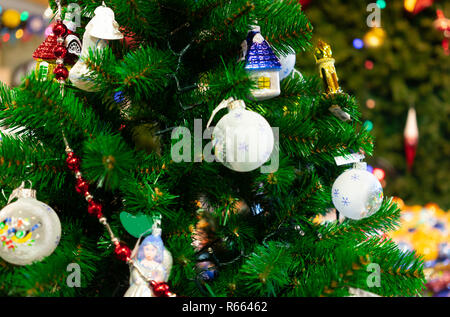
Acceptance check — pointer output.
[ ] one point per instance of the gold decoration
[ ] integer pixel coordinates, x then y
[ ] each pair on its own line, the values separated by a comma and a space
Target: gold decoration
325, 60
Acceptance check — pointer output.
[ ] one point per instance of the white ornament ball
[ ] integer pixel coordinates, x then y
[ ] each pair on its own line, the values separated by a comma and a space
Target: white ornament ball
287, 65
243, 140
29, 231
357, 194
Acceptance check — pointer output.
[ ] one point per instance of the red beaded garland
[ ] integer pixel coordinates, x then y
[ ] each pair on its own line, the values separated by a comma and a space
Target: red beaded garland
60, 51
95, 209
59, 29
122, 251
82, 186
160, 289
73, 162
61, 72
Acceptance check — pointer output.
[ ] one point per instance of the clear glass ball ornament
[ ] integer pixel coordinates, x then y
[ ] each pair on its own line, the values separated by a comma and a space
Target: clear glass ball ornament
29, 230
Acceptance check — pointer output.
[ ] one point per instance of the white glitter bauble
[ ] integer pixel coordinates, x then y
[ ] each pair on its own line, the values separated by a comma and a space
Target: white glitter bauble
287, 65
243, 140
357, 194
29, 230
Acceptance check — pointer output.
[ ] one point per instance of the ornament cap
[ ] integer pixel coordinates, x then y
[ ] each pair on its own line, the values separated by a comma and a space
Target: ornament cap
22, 192
360, 165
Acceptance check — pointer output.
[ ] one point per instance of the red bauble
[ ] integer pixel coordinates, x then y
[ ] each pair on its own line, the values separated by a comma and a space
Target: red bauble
81, 186
61, 72
60, 51
123, 252
160, 289
59, 29
95, 209
73, 162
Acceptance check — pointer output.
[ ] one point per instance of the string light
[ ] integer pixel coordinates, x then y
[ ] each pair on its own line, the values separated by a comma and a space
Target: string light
379, 173
368, 125
24, 16
370, 103
368, 64
358, 44
19, 34
381, 4
6, 37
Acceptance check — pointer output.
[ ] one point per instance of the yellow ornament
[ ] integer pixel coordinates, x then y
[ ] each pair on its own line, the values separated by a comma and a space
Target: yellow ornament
325, 61
375, 37
11, 18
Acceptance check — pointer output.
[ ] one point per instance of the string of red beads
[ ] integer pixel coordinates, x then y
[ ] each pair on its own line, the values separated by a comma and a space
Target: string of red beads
121, 250
60, 31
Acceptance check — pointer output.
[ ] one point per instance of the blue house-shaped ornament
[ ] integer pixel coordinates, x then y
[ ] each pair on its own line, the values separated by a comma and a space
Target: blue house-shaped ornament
263, 66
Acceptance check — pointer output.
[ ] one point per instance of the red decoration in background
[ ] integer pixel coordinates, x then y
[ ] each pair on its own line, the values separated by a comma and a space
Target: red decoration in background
411, 135
304, 3
442, 24
415, 6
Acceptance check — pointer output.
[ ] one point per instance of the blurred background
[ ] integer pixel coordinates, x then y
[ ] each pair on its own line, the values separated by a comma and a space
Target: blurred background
399, 72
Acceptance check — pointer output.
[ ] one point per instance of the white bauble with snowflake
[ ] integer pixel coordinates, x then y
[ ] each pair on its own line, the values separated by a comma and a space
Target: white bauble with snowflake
243, 140
29, 229
287, 65
357, 194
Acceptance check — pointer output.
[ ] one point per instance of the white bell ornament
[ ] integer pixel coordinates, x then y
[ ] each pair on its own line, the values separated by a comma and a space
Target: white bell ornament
102, 27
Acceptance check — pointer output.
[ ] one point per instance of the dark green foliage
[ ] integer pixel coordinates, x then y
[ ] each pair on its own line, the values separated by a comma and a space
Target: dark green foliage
183, 64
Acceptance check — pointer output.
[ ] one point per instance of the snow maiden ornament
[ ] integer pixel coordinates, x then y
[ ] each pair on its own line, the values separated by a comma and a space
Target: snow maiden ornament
356, 193
262, 64
102, 27
29, 229
151, 262
243, 140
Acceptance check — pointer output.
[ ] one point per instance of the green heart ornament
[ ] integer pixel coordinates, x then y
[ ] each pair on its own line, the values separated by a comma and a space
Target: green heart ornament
137, 224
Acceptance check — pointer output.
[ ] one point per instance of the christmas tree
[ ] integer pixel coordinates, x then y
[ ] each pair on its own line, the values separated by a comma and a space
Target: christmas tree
104, 137
408, 68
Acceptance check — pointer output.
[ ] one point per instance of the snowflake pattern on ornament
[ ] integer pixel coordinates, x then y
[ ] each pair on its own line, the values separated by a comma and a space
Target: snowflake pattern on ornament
345, 201
355, 177
336, 193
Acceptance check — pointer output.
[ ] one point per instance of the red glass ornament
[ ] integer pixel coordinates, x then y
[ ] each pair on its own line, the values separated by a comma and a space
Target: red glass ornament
95, 209
73, 162
61, 72
60, 51
81, 186
123, 252
59, 29
160, 289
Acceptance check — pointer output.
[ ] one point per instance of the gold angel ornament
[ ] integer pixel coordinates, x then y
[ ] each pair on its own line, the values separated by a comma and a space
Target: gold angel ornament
325, 61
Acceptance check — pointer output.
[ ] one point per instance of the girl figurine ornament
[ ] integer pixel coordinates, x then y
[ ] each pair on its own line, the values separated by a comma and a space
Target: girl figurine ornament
151, 262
